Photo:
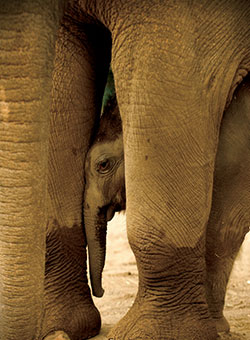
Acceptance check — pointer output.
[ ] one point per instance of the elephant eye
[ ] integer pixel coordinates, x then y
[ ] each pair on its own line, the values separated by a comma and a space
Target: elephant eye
104, 166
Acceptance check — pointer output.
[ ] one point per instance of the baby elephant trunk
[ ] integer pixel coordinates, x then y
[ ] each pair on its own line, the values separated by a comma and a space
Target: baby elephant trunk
96, 230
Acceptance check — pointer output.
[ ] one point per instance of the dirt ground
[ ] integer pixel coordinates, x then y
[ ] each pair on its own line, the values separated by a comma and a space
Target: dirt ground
120, 284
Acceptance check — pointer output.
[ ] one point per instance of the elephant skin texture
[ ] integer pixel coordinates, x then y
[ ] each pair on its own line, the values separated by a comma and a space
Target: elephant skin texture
105, 181
105, 187
176, 66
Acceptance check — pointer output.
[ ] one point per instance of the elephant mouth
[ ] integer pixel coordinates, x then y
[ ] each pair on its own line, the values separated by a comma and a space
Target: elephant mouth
117, 205
110, 213
110, 209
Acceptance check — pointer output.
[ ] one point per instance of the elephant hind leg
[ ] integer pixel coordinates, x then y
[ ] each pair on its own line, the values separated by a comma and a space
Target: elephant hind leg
229, 219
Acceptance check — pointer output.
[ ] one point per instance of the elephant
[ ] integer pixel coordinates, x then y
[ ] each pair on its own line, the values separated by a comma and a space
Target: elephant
176, 66
105, 190
104, 183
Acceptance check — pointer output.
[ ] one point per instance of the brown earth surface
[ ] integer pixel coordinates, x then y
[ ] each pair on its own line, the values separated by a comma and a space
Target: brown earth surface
120, 284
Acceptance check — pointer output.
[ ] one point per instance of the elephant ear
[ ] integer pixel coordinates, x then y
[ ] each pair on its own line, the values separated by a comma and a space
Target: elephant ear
110, 126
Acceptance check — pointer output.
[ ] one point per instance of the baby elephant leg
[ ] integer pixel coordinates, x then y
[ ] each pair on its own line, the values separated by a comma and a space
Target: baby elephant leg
230, 214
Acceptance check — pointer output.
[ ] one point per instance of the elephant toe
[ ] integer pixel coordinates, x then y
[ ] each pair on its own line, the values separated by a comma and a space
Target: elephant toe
58, 335
222, 325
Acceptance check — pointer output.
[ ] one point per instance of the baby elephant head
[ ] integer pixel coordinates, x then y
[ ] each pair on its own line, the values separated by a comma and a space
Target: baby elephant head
105, 188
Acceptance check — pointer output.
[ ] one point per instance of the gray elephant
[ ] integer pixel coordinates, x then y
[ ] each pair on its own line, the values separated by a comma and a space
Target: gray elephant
176, 65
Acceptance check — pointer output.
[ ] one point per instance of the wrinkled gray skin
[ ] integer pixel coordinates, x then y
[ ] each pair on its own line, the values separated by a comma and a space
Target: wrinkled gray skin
105, 185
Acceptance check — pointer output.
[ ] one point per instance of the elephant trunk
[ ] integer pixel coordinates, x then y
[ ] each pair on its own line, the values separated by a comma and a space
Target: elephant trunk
96, 228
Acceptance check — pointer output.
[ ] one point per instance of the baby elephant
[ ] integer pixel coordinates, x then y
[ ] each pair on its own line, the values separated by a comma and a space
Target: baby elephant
105, 187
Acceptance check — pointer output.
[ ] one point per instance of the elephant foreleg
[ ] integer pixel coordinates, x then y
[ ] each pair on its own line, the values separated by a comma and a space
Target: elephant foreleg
169, 165
78, 84
26, 64
229, 219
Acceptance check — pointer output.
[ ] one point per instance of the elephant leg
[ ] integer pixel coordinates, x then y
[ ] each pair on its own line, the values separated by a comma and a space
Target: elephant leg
169, 163
81, 68
229, 219
168, 205
26, 64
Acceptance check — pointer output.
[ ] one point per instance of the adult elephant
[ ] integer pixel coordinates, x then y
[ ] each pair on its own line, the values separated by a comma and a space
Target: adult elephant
105, 194
176, 65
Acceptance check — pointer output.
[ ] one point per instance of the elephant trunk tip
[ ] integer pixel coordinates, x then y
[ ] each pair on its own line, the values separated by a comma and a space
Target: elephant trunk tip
97, 290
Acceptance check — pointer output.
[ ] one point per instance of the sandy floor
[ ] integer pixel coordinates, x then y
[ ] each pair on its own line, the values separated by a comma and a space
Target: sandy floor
120, 284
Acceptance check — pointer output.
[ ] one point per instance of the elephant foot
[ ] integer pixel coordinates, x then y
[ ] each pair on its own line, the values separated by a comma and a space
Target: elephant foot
68, 305
81, 323
222, 325
58, 335
146, 321
71, 324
